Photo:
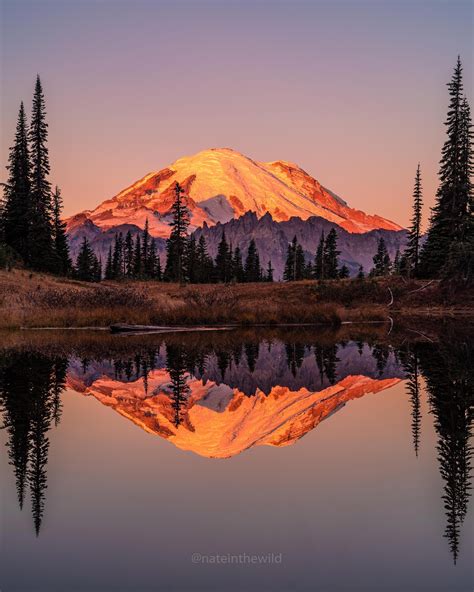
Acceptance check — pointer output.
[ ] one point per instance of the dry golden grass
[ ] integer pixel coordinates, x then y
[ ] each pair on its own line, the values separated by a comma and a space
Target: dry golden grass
38, 300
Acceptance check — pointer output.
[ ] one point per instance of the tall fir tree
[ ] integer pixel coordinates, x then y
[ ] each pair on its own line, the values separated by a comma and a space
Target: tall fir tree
151, 269
87, 265
41, 248
397, 263
118, 262
15, 219
252, 264
176, 244
451, 219
289, 271
295, 265
137, 257
319, 272
223, 263
205, 265
128, 255
109, 274
238, 272
344, 272
269, 272
145, 248
412, 252
61, 246
192, 265
300, 267
458, 268
331, 254
176, 364
382, 263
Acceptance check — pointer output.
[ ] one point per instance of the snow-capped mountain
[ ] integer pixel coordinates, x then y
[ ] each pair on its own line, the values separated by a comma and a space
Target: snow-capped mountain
224, 412
218, 421
222, 184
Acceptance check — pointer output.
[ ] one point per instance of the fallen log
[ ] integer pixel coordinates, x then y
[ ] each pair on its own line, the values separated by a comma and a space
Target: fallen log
124, 328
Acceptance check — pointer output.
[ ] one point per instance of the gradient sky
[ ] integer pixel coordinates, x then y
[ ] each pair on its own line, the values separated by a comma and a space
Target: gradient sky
354, 92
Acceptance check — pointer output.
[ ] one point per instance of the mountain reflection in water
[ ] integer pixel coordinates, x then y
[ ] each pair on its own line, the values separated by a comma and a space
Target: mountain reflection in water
220, 395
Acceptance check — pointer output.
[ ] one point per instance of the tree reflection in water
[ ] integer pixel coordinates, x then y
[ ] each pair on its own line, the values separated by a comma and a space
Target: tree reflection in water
31, 384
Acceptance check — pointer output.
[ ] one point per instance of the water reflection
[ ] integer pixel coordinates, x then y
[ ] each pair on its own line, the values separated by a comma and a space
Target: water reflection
218, 396
30, 388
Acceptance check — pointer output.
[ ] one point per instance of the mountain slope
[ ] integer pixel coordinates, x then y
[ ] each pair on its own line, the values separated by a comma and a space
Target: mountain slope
219, 421
228, 410
223, 184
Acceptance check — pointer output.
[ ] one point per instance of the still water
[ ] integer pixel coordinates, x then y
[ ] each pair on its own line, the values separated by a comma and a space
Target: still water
236, 460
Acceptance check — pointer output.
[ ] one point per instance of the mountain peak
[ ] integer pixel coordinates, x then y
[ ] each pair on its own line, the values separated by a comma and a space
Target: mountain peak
222, 184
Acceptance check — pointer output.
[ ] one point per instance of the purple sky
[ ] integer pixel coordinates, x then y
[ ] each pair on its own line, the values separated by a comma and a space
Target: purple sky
354, 92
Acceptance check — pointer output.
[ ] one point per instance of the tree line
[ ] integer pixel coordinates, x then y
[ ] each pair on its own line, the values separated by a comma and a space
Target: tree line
326, 263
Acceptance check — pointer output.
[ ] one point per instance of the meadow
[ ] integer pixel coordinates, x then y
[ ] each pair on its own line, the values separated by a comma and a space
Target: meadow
40, 300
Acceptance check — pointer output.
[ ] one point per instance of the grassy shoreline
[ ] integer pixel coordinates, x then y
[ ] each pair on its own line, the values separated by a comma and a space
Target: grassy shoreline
38, 300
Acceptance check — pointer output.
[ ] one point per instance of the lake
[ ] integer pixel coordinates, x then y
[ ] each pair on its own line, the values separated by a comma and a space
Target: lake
287, 459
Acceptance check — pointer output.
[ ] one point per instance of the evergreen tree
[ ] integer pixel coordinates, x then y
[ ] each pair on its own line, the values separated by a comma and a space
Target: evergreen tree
319, 272
145, 249
158, 271
344, 272
151, 269
412, 252
96, 269
137, 257
289, 273
411, 367
448, 373
30, 389
452, 215
63, 260
459, 265
252, 264
252, 351
192, 265
41, 248
87, 265
205, 266
397, 263
15, 219
295, 266
326, 360
176, 365
128, 256
294, 356
237, 266
300, 263
331, 254
118, 263
382, 263
108, 266
223, 263
269, 274
176, 244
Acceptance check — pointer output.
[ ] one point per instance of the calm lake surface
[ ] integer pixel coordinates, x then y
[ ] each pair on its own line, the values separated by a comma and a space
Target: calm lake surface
279, 460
